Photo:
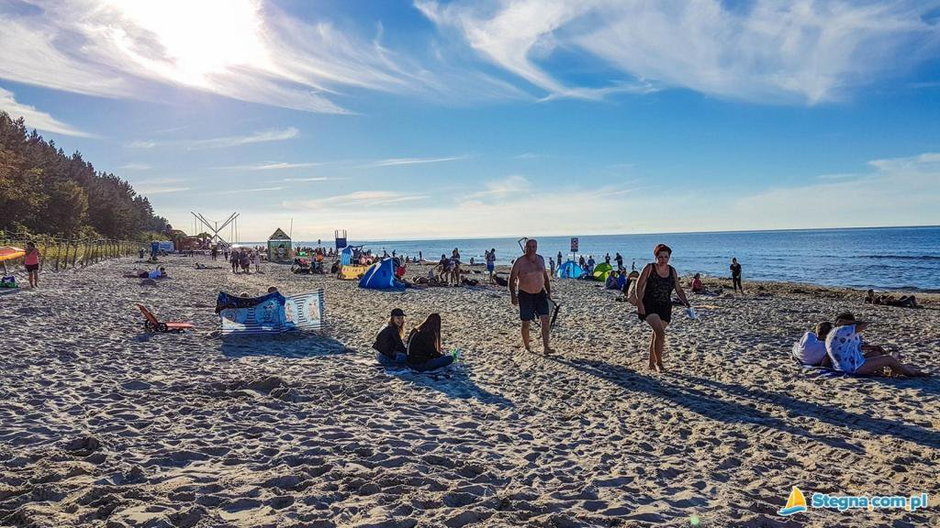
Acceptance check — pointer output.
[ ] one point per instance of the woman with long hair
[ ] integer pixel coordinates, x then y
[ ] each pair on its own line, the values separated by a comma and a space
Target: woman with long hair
389, 347
654, 294
424, 346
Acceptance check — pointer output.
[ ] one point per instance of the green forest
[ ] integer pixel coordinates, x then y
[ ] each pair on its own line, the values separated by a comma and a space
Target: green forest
43, 191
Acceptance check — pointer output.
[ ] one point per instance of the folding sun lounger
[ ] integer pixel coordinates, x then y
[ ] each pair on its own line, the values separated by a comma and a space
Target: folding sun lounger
152, 324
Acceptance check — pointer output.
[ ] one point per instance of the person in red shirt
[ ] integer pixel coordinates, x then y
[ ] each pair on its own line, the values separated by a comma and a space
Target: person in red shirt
31, 260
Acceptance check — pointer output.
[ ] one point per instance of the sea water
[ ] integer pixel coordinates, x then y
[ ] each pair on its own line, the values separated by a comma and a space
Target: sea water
886, 257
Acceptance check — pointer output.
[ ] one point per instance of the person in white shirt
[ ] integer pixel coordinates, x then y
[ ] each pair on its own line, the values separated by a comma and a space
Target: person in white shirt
811, 348
845, 349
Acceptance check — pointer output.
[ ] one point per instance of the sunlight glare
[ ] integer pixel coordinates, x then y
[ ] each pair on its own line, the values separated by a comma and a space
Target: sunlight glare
199, 38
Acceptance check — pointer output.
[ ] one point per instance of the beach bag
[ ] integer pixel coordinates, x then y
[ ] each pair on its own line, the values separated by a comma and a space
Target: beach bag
631, 290
631, 293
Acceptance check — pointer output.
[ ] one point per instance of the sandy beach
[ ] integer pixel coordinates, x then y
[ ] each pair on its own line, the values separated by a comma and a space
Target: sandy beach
105, 425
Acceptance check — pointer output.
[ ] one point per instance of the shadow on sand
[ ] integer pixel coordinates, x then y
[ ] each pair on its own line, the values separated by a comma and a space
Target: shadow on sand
454, 381
285, 345
722, 406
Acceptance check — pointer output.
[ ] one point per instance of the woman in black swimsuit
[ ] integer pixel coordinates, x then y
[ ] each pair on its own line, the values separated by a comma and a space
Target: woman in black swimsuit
654, 290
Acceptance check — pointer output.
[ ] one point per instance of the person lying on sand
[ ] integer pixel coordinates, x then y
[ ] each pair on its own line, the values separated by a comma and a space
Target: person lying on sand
158, 273
845, 349
810, 350
424, 346
905, 301
390, 350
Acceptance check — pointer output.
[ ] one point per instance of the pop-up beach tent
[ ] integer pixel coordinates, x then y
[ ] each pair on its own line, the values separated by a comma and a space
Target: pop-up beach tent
602, 271
569, 270
381, 276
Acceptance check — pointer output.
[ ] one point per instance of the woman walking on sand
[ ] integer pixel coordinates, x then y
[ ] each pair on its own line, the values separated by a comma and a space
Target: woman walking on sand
654, 294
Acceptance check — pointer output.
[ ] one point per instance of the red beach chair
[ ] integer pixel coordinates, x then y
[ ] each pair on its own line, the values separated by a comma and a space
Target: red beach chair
152, 324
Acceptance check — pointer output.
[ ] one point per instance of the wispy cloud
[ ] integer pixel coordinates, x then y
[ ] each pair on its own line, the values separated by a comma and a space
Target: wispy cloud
256, 189
222, 142
242, 49
159, 186
395, 162
275, 166
765, 50
356, 199
135, 166
311, 179
501, 189
37, 118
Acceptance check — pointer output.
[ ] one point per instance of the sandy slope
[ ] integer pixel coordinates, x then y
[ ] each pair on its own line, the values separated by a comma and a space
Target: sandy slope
102, 425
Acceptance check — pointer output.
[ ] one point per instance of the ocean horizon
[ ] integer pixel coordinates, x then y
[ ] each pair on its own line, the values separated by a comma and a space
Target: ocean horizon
894, 258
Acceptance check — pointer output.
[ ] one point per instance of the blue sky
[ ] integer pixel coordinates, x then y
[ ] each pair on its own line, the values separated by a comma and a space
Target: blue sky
431, 119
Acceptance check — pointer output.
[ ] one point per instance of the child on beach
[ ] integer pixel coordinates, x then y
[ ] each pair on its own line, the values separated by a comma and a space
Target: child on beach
811, 348
31, 261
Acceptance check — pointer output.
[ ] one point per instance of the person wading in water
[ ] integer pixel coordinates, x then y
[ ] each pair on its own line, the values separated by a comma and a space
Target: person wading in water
530, 278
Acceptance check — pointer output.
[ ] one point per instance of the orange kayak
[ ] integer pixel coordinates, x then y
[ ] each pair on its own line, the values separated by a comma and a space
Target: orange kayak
10, 253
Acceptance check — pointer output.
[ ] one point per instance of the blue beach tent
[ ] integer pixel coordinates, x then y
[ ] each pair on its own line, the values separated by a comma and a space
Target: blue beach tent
381, 276
569, 270
345, 258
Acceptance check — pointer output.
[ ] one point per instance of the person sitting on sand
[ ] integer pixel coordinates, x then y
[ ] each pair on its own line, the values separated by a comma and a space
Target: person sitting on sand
845, 349
810, 350
696, 284
424, 346
611, 283
390, 350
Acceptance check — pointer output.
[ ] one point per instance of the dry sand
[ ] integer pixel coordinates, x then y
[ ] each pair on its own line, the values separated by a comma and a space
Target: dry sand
103, 425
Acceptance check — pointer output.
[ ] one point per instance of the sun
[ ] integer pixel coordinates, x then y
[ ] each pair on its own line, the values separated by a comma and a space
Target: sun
189, 41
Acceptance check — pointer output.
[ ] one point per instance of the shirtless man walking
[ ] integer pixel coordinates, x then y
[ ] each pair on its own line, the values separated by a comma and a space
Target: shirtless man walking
529, 276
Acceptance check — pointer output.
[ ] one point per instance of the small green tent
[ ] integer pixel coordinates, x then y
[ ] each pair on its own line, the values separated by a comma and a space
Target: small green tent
602, 271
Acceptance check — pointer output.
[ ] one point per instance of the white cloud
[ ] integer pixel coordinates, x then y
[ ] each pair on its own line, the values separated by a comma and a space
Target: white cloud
311, 179
135, 166
512, 186
36, 118
355, 200
256, 189
243, 49
273, 166
395, 162
897, 191
222, 142
807, 51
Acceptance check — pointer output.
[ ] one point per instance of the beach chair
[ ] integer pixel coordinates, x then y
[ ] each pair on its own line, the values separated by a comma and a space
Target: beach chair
152, 324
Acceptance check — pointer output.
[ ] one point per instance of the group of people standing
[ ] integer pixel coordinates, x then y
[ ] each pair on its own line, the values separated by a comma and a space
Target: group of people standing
244, 258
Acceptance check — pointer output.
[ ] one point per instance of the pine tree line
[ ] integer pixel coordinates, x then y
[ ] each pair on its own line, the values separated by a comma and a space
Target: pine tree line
44, 191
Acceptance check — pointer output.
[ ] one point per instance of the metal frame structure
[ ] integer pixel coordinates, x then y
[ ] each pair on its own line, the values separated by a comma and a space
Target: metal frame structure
215, 230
